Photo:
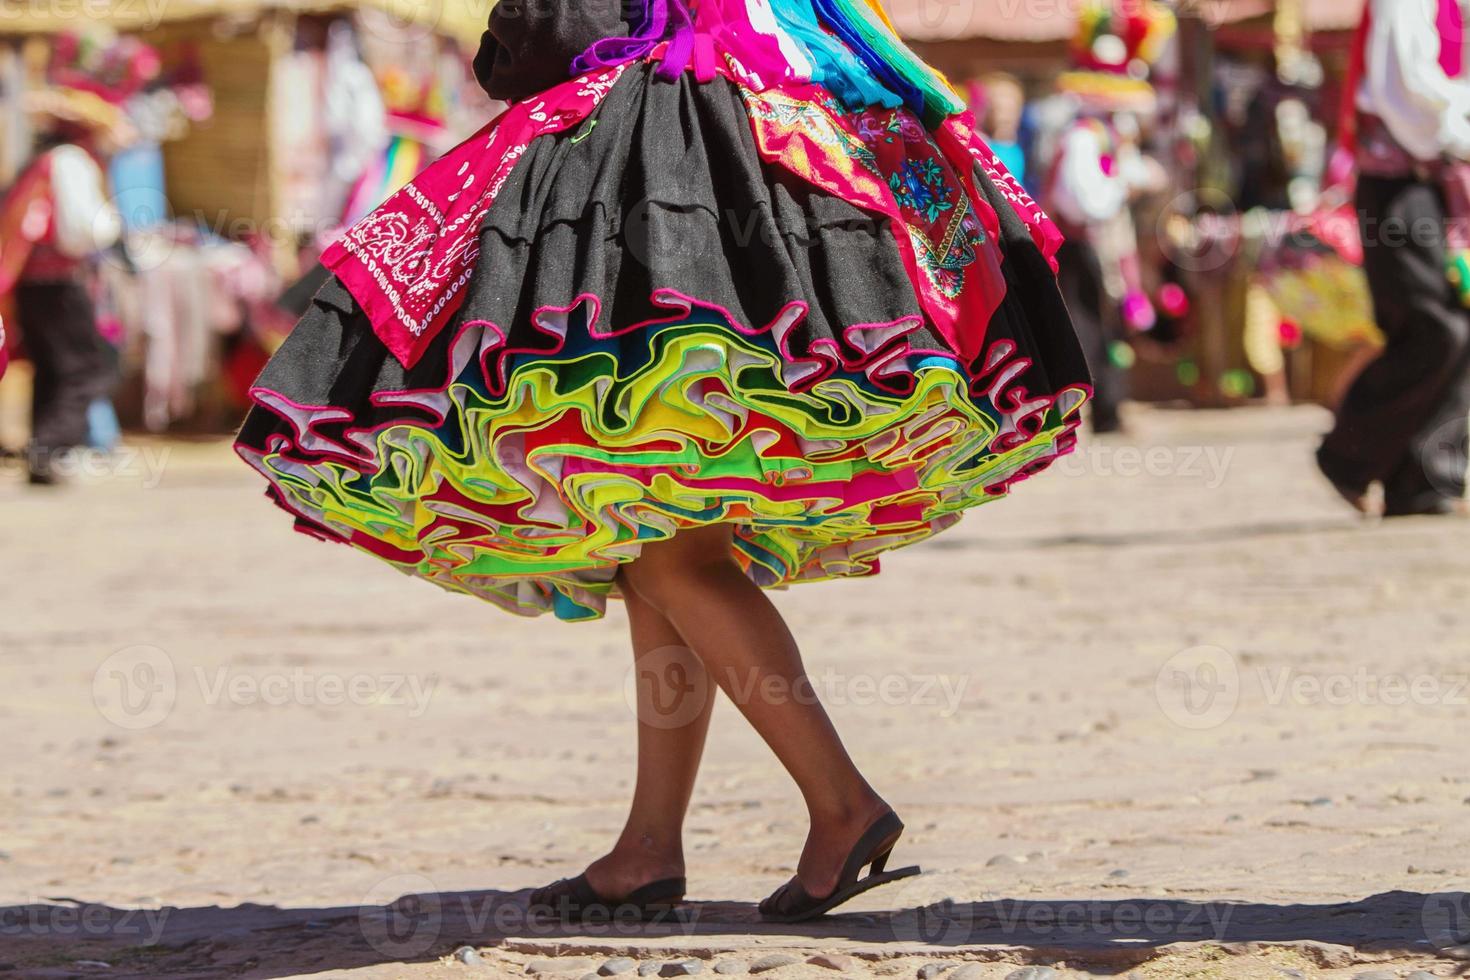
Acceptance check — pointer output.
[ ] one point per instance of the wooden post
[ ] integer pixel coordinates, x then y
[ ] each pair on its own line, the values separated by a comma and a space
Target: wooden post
278, 32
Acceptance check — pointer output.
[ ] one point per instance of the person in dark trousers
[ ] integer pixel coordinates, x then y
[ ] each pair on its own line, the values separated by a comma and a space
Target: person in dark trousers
1404, 420
1080, 278
1093, 170
59, 325
58, 217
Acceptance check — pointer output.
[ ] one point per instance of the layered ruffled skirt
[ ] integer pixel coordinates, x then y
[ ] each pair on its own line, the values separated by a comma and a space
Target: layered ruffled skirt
683, 304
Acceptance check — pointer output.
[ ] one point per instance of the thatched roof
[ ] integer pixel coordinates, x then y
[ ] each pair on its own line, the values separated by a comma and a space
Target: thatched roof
463, 19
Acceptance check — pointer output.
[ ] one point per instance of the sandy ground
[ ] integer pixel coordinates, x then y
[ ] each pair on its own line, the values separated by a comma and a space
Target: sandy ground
1169, 712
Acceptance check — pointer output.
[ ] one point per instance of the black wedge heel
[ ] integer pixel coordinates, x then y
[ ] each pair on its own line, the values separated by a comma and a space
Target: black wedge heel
792, 903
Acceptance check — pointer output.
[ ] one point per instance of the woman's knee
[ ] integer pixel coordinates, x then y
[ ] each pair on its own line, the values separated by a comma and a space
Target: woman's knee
645, 584
669, 570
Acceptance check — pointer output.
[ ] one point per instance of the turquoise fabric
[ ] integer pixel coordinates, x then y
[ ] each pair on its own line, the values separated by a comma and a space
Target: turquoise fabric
835, 67
923, 90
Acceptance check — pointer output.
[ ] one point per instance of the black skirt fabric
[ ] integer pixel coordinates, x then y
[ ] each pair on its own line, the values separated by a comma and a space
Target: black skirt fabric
531, 44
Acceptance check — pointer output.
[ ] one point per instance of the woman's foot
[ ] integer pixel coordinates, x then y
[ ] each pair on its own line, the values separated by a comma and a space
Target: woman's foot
619, 884
795, 902
830, 841
624, 870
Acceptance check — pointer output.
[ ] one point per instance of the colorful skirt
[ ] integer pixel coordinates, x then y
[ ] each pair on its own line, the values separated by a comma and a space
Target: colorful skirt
636, 306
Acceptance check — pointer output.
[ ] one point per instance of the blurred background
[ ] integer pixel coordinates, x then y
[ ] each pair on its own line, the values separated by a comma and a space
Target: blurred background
1189, 151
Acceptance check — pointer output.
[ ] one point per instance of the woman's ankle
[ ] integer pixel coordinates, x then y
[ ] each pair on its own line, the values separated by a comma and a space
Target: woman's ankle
622, 870
855, 809
650, 848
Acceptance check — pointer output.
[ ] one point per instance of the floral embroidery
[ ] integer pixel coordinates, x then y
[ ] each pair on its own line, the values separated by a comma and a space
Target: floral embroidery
920, 186
408, 262
886, 161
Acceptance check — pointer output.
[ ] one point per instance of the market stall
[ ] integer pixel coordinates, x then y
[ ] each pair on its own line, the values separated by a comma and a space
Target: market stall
303, 115
1300, 320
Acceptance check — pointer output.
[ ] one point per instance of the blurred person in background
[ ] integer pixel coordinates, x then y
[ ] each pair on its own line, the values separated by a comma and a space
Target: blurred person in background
999, 103
1085, 195
55, 219
1094, 167
1407, 122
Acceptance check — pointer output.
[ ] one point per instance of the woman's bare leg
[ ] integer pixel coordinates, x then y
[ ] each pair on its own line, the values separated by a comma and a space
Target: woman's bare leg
675, 699
749, 651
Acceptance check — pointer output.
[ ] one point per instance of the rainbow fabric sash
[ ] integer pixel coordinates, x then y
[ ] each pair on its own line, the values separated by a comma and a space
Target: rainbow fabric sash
847, 46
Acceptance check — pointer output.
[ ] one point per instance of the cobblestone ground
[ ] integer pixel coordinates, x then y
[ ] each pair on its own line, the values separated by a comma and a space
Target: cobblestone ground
1171, 711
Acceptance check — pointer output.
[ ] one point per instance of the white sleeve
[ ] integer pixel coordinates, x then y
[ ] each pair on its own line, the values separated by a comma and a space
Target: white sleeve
1084, 193
86, 221
1426, 111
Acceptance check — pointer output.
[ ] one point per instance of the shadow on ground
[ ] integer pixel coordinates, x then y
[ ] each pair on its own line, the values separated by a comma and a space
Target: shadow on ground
56, 938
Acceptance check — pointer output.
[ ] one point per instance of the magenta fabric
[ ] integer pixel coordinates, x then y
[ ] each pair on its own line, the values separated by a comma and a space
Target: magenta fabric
1451, 24
408, 262
658, 20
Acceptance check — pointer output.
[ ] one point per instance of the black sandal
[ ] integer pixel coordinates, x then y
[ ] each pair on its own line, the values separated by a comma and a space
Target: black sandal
575, 900
791, 903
